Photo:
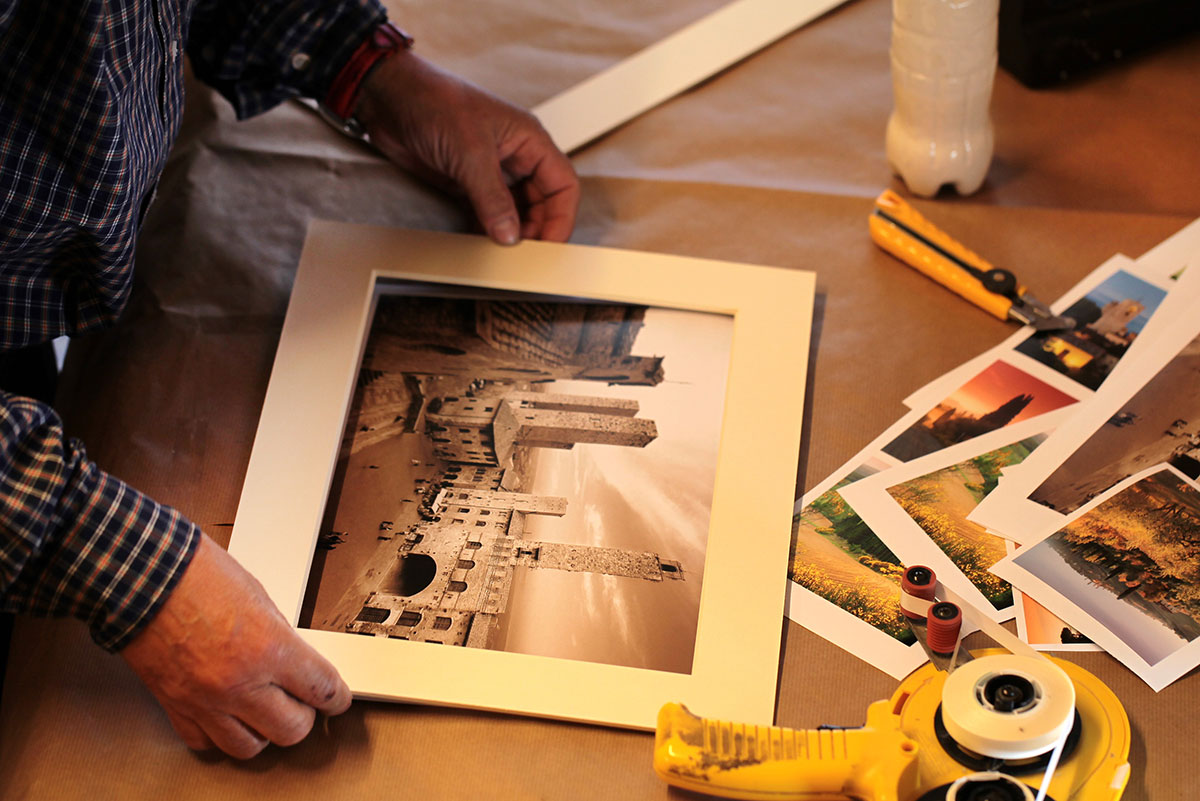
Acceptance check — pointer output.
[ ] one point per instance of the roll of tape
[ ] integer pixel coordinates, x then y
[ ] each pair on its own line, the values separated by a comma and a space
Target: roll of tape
1008, 706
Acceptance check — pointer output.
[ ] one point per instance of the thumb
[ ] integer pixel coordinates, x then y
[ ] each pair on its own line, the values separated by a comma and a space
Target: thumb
483, 182
311, 679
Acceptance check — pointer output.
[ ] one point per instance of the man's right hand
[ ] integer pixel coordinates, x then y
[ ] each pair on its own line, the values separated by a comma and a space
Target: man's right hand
445, 129
226, 666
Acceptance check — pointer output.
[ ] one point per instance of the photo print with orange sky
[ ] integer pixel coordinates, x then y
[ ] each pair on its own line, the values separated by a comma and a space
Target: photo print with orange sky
1046, 631
1108, 319
998, 396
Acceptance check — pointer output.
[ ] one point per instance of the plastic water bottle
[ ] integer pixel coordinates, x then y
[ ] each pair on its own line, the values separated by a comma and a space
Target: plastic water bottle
943, 66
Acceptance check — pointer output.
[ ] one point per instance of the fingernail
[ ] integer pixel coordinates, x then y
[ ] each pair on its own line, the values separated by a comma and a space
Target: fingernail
507, 232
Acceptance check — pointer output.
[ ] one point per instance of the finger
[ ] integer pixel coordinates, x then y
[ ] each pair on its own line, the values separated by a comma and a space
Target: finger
558, 214
484, 184
277, 716
533, 212
191, 734
311, 679
232, 736
551, 185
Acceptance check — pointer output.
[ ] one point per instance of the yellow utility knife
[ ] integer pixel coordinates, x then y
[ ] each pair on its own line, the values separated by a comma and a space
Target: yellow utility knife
900, 230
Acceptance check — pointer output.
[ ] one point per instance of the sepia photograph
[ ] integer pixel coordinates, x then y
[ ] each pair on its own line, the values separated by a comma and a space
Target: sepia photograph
1107, 321
526, 465
998, 396
526, 474
1160, 423
1129, 564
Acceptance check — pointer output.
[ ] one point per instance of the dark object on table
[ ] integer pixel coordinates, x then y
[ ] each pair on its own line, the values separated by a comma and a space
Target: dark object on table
1044, 42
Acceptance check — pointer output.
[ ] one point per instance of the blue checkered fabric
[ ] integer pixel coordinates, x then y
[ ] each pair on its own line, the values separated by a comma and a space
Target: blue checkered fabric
75, 540
91, 96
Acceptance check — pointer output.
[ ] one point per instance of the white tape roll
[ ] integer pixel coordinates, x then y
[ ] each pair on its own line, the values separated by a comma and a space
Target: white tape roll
1008, 706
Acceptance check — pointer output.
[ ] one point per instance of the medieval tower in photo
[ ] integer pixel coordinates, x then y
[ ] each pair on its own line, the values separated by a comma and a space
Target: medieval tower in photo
463, 373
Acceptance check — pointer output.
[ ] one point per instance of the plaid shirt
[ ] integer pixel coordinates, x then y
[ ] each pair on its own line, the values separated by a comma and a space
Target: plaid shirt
91, 96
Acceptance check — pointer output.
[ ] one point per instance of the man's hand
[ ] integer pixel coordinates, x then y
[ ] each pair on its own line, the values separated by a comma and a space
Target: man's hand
448, 131
226, 666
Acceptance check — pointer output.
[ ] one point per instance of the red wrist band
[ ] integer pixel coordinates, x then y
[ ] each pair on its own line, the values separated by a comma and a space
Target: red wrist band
343, 92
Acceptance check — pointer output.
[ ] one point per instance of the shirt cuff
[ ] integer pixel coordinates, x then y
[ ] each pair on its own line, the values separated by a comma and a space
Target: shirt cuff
334, 49
77, 541
258, 55
121, 560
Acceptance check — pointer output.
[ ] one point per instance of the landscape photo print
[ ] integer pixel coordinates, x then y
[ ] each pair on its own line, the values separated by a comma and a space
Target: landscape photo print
999, 395
921, 509
1107, 320
1123, 571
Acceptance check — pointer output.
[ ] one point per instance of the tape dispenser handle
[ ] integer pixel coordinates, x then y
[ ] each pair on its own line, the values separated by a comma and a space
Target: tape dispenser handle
877, 762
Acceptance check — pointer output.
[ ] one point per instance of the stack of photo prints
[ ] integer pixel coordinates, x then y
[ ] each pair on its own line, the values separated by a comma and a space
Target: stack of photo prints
1052, 479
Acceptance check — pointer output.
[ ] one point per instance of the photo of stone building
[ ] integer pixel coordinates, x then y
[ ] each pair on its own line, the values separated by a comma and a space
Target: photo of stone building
435, 526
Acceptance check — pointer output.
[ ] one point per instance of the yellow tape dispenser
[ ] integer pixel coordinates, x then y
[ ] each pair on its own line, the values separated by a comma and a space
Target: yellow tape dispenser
997, 726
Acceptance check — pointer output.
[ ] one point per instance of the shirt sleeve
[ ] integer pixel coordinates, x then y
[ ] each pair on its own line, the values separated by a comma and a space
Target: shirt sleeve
75, 540
258, 53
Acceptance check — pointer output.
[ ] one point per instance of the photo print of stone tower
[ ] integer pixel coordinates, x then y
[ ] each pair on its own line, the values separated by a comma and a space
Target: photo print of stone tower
528, 475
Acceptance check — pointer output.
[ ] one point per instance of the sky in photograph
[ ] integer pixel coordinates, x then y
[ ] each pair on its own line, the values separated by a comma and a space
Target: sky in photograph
998, 384
1122, 286
1041, 626
654, 499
